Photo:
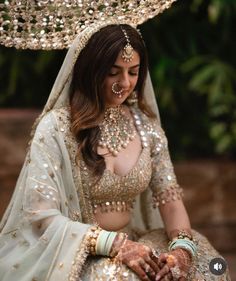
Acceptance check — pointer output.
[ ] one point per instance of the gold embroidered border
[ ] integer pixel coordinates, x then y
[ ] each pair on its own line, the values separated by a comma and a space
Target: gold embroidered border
80, 257
64, 124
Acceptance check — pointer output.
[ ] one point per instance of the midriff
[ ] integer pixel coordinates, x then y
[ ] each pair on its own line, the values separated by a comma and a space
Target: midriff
112, 221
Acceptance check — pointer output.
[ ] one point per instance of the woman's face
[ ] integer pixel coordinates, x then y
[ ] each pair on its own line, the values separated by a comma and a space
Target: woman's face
125, 74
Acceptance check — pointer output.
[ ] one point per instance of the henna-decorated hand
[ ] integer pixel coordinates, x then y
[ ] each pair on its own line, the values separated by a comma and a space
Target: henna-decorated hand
174, 265
140, 259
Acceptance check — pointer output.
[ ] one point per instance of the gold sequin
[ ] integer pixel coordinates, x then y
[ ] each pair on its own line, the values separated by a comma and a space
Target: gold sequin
117, 193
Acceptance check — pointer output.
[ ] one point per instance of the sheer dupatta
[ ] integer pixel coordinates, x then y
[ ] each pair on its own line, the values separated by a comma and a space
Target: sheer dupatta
44, 232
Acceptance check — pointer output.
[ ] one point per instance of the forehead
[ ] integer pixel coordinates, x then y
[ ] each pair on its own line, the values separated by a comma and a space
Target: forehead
121, 63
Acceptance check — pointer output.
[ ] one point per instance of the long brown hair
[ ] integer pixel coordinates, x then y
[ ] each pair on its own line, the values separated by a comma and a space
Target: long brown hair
86, 92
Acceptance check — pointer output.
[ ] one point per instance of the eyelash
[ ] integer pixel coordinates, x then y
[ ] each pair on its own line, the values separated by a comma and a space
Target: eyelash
132, 74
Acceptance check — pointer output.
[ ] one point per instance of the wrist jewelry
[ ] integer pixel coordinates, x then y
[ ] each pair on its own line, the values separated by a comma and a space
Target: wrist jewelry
121, 248
120, 240
94, 232
182, 234
185, 244
104, 243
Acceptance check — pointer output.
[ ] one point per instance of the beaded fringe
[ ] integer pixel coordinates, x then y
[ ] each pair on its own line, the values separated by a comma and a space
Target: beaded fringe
171, 193
114, 206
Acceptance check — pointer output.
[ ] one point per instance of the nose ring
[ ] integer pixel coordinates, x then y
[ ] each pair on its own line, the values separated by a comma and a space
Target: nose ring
115, 90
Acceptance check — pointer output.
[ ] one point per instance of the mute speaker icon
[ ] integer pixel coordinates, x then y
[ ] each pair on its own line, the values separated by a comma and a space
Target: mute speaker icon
217, 266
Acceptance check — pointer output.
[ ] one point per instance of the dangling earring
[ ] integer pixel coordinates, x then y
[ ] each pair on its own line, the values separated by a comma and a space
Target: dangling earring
133, 98
115, 90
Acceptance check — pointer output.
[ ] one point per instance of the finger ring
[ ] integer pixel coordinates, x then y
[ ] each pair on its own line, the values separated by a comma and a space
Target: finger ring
155, 253
147, 268
176, 273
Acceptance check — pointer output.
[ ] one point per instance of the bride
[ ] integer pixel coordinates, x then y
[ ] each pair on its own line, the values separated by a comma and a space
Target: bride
98, 172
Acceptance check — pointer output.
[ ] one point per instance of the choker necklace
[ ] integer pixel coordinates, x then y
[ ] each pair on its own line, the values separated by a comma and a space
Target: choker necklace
116, 130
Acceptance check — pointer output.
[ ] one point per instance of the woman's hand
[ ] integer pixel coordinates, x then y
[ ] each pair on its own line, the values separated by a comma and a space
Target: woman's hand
140, 259
174, 265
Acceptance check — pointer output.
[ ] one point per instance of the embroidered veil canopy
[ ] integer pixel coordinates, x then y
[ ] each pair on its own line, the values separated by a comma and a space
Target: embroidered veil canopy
54, 24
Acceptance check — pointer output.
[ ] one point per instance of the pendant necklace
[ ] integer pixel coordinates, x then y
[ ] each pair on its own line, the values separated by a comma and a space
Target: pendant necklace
117, 130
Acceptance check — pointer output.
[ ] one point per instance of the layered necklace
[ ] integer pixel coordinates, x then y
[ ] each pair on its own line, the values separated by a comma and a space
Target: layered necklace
116, 130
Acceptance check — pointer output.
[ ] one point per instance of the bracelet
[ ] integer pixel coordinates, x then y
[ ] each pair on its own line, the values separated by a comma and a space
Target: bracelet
104, 243
183, 234
109, 243
101, 241
121, 237
121, 248
93, 235
185, 244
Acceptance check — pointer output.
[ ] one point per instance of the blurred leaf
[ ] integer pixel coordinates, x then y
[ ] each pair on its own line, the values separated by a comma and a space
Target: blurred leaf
224, 143
217, 130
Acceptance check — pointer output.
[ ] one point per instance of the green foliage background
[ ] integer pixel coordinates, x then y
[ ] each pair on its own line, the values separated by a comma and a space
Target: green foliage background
193, 67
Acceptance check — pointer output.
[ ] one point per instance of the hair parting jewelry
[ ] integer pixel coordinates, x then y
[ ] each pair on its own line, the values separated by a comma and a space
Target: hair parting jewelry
128, 50
118, 93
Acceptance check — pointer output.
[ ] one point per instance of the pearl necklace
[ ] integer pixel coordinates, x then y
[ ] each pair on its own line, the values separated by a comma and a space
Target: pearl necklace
116, 130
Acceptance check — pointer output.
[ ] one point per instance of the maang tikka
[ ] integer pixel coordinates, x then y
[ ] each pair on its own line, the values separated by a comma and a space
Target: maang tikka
128, 50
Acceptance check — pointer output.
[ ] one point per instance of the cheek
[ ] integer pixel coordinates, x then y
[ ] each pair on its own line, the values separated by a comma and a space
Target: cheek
107, 85
135, 81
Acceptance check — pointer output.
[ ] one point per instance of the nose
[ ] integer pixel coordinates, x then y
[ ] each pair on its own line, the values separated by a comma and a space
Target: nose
125, 81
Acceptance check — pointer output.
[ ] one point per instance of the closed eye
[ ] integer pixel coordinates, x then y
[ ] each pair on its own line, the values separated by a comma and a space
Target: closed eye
134, 73
113, 74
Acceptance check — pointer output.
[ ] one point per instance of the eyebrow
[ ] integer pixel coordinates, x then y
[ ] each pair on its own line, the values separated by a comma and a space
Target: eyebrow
120, 67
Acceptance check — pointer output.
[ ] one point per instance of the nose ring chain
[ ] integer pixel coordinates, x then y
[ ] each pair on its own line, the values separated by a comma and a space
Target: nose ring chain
115, 90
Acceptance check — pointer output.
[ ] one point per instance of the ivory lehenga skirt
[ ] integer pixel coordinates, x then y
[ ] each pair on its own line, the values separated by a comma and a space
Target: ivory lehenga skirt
101, 268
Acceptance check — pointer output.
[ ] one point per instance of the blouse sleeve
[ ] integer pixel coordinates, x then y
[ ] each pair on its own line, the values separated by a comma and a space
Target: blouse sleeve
163, 183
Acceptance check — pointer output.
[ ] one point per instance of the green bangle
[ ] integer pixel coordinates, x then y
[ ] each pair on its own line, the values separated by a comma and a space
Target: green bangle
104, 242
188, 245
109, 242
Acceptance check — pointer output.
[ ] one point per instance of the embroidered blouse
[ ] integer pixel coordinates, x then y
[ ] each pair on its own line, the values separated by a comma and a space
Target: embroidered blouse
154, 168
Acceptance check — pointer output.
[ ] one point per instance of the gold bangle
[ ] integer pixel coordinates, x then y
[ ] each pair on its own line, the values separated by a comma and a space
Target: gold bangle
182, 234
93, 236
120, 239
125, 238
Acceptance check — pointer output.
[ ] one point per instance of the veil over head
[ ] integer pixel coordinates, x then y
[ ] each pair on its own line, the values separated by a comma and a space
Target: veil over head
60, 91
